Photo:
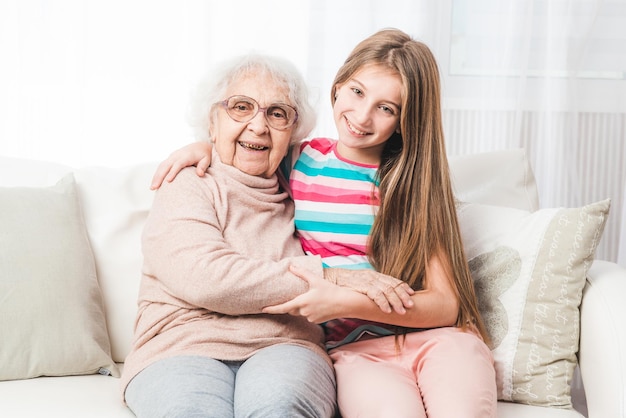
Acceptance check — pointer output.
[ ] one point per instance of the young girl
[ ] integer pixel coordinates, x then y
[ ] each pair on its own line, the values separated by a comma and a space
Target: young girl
381, 197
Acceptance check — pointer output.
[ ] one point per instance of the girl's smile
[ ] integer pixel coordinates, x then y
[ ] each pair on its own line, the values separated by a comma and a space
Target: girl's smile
354, 130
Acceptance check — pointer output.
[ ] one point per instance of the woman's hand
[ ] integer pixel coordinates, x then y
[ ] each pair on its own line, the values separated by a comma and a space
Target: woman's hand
197, 153
386, 291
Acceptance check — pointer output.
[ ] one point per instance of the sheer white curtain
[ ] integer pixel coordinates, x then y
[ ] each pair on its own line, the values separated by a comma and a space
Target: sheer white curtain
88, 82
549, 76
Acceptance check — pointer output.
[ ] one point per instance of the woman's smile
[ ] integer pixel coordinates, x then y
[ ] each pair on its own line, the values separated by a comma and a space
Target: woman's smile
252, 147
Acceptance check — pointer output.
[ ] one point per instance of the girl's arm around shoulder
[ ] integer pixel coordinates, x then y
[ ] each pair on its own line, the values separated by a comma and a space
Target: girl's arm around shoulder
196, 153
199, 154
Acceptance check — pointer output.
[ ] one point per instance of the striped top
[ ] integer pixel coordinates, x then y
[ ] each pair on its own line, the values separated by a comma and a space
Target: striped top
336, 201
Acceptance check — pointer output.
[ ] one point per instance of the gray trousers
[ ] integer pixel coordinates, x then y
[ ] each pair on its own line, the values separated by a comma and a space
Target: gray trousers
278, 381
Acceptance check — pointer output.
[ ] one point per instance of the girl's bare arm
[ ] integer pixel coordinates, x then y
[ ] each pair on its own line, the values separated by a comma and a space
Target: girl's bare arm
196, 153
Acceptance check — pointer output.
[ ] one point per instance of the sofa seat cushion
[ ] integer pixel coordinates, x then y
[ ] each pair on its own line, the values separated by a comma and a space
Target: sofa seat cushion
93, 396
99, 397
516, 410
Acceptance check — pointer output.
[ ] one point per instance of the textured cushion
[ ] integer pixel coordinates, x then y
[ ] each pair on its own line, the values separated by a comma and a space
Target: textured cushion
529, 270
51, 313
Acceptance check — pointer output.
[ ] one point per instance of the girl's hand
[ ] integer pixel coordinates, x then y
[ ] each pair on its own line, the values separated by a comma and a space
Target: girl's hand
197, 153
321, 303
386, 291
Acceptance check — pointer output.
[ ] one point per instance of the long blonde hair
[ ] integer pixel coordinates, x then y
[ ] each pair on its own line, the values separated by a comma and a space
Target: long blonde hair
417, 216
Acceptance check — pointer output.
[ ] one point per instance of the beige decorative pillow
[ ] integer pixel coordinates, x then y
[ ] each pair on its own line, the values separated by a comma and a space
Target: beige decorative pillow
51, 313
529, 271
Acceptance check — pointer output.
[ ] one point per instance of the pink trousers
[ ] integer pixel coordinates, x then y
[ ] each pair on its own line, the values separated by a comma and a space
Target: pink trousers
436, 373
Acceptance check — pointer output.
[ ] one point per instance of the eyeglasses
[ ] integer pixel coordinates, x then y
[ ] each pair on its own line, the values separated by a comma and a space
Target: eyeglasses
243, 109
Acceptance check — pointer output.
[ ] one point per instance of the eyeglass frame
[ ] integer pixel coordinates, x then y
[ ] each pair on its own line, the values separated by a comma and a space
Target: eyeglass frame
224, 104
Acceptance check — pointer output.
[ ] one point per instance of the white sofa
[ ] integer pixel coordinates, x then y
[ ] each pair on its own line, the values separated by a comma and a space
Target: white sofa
115, 203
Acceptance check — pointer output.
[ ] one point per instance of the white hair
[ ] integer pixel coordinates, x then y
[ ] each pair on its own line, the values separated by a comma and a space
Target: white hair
281, 71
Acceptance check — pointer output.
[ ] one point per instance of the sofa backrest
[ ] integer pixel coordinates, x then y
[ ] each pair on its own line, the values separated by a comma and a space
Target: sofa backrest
116, 202
500, 178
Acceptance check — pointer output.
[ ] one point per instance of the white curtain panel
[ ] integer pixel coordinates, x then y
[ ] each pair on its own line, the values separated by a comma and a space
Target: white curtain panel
621, 258
90, 82
549, 76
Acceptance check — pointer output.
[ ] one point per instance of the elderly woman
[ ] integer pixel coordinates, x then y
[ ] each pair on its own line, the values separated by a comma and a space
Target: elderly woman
217, 250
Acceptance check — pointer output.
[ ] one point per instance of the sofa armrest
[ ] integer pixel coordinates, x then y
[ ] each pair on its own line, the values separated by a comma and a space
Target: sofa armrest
602, 353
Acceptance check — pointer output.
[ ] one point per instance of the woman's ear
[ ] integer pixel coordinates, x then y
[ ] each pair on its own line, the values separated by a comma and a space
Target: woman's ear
211, 126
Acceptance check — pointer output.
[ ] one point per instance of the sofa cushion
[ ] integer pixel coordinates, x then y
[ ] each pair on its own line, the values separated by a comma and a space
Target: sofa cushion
529, 271
116, 202
52, 319
501, 178
87, 396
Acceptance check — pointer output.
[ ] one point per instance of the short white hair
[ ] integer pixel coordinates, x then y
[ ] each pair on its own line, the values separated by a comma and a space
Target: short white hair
284, 73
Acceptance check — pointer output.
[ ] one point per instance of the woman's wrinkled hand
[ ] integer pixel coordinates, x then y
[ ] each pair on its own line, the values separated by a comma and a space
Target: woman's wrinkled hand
197, 153
386, 291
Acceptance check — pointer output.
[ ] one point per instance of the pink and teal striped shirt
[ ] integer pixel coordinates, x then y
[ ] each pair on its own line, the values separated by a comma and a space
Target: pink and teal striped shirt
336, 201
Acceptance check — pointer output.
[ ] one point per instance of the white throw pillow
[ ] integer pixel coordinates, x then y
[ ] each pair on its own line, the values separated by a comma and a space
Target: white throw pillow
51, 313
529, 270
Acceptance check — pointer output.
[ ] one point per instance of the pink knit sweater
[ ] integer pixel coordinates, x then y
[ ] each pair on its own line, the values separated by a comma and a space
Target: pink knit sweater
216, 251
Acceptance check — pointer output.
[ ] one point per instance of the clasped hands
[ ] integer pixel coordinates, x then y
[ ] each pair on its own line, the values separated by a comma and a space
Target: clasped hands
331, 297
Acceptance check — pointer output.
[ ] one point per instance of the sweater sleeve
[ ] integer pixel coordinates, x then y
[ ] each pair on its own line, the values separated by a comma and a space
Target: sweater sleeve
189, 262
